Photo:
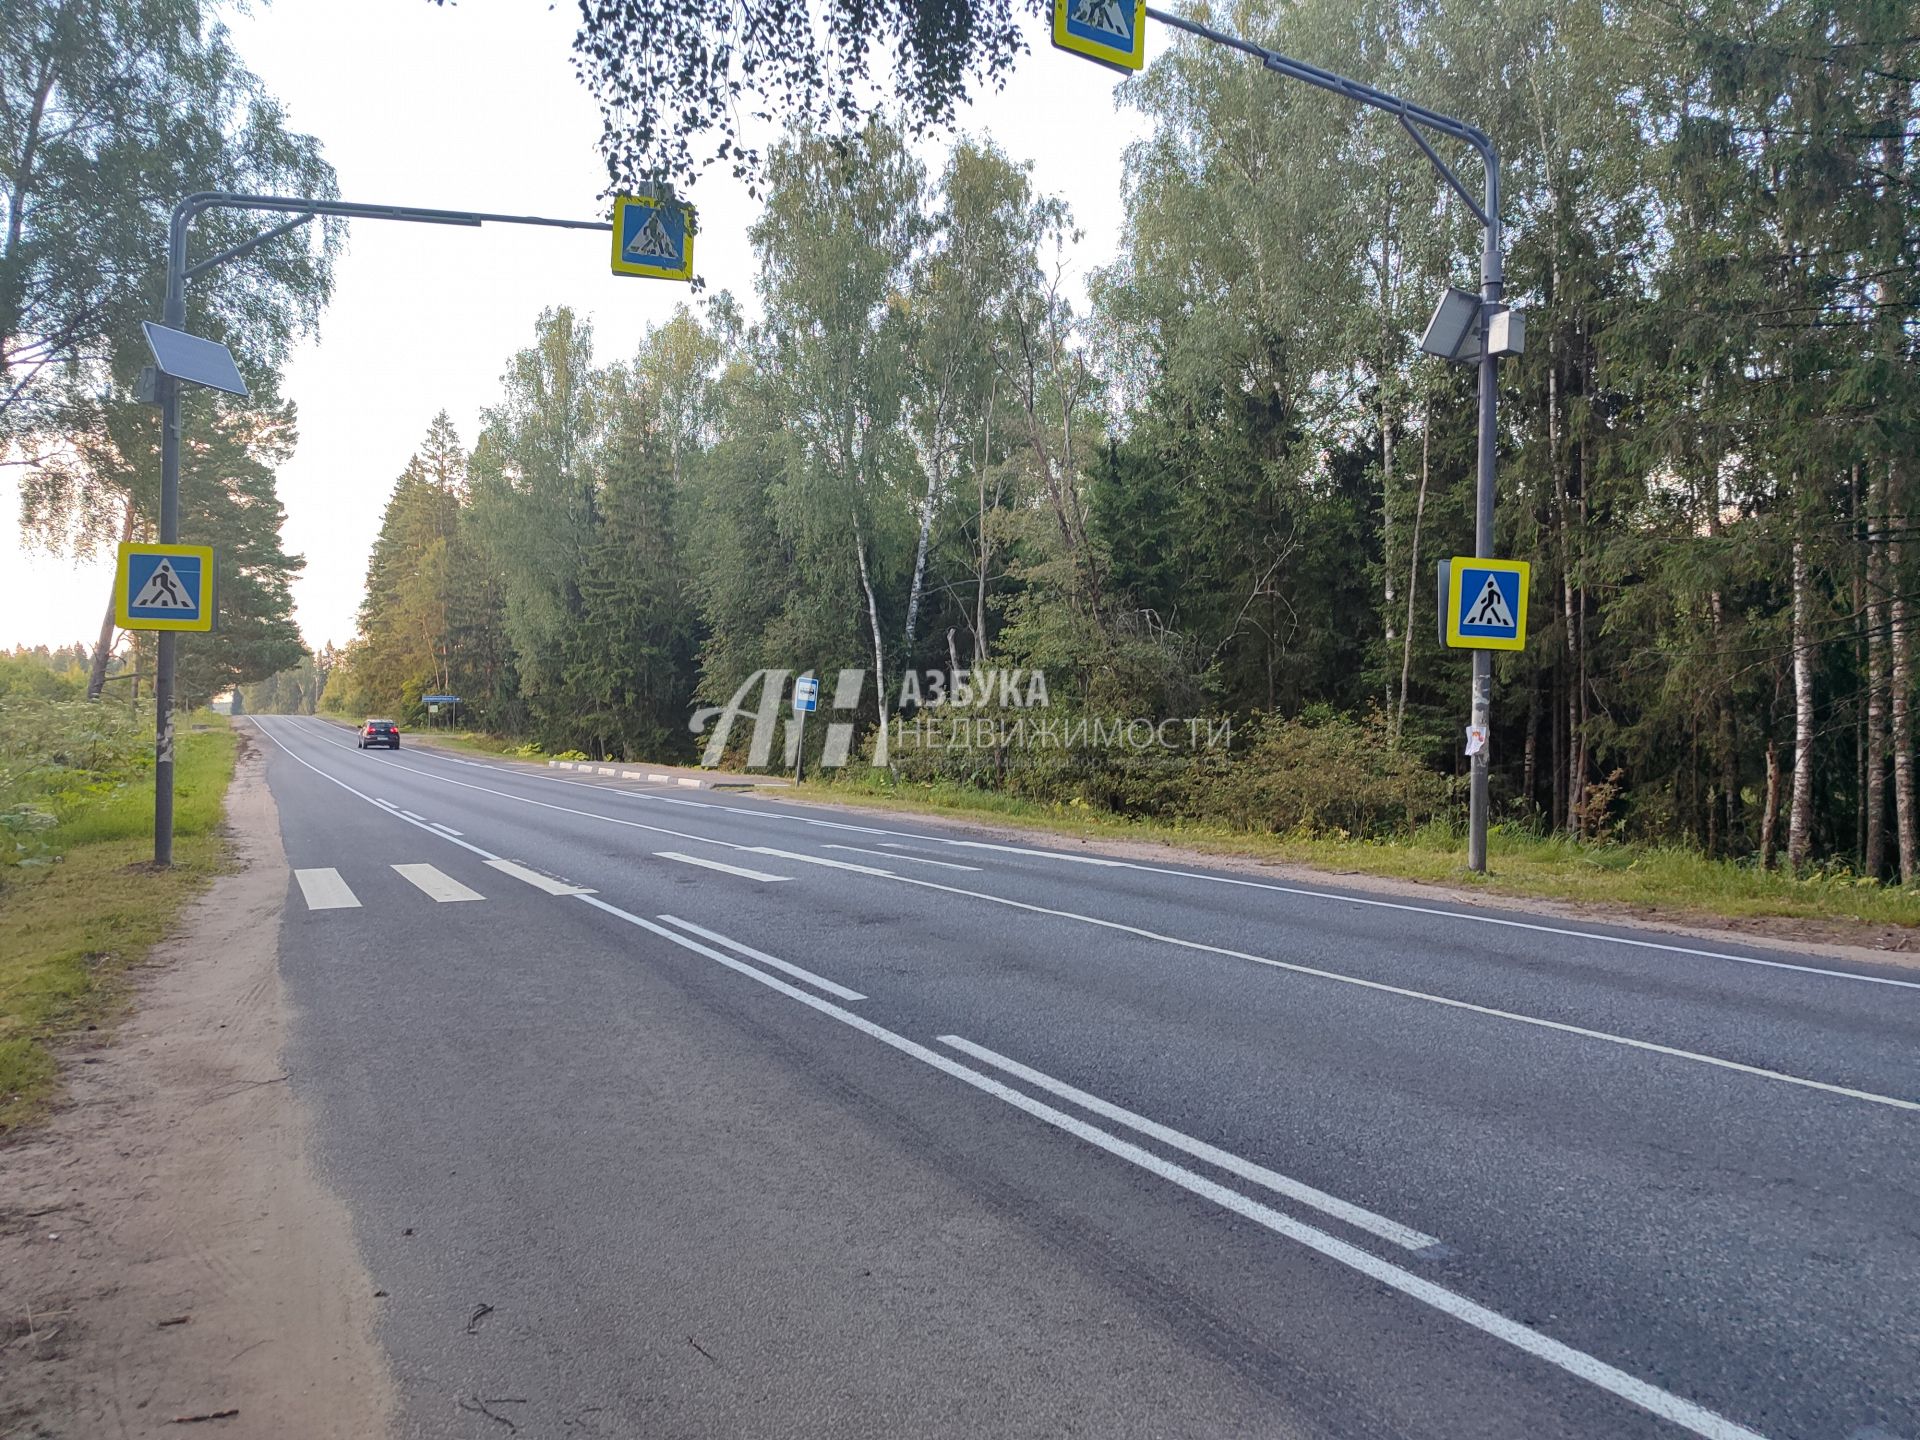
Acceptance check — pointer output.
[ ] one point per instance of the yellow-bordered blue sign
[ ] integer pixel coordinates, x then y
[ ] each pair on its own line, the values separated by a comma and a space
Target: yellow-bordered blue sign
1487, 604
164, 587
652, 237
1113, 32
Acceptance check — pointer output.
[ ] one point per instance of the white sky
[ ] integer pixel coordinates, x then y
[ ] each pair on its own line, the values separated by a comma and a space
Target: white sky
476, 107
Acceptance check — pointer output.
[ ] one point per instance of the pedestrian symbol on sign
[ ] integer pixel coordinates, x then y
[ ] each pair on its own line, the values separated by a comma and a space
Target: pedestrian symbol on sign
1491, 608
163, 591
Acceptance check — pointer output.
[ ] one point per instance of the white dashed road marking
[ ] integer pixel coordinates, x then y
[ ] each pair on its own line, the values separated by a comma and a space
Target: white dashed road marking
325, 890
436, 884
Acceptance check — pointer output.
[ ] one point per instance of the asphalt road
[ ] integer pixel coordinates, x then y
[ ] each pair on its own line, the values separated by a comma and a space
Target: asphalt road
670, 1113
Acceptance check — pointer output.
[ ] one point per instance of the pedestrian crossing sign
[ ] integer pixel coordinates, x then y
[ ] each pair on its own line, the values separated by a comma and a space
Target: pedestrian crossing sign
1112, 32
164, 587
1487, 604
652, 236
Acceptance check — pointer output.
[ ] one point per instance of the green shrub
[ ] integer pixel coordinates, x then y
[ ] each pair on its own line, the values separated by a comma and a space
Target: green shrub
1327, 775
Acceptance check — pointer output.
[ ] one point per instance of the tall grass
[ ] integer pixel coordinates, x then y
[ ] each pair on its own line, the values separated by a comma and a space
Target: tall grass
78, 902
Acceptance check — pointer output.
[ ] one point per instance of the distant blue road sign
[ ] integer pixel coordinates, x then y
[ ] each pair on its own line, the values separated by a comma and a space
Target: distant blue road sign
440, 699
1487, 604
806, 695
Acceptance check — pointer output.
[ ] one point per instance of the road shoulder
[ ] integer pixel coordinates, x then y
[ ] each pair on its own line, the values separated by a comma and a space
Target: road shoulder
166, 1247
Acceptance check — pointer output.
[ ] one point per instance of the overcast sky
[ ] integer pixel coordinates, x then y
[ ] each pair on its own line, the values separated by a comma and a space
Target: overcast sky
476, 106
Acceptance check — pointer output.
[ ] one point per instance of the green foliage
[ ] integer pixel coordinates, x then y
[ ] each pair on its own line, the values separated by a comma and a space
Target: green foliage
59, 757
67, 930
1323, 775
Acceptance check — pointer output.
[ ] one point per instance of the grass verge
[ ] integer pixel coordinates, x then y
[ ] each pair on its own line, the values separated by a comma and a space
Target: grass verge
69, 930
1661, 880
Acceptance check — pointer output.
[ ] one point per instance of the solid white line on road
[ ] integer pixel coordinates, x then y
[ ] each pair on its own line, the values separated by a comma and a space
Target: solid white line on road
411, 816
889, 855
1404, 1236
444, 829
716, 865
537, 880
1381, 987
325, 890
818, 982
1635, 1391
437, 885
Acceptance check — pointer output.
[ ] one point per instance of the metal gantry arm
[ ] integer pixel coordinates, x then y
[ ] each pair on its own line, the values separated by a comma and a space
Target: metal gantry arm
174, 316
1415, 120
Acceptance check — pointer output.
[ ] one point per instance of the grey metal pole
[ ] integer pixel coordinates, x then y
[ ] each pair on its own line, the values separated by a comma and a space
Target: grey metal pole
1492, 284
175, 316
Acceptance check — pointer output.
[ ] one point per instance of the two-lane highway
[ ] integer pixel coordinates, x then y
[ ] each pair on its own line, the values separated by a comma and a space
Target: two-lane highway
677, 1113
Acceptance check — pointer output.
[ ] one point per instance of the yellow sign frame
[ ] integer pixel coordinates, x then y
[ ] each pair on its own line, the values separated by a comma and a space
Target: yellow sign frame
1456, 585
1112, 56
123, 589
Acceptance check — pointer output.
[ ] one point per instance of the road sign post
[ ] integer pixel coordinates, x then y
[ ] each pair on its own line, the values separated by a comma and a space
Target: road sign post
1418, 121
806, 700
183, 358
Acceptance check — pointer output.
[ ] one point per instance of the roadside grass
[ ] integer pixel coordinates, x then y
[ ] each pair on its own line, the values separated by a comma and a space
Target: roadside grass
91, 904
1650, 879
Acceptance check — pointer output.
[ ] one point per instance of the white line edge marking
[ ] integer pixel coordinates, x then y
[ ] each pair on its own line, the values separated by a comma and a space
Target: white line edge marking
1651, 1398
323, 889
537, 880
436, 884
447, 829
891, 855
740, 870
1405, 1236
1649, 1046
1360, 900
817, 981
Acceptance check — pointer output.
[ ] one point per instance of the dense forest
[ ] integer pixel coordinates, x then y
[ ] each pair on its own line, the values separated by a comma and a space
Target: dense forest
1218, 488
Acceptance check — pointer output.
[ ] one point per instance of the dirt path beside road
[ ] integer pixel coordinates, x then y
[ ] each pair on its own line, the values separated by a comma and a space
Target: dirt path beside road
166, 1249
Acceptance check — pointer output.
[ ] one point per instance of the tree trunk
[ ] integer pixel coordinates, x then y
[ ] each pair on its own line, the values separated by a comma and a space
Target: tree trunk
879, 646
1800, 814
1413, 571
103, 652
1769, 821
1874, 849
1901, 644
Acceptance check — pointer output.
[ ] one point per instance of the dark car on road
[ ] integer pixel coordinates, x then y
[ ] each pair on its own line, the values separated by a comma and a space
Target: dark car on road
380, 732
